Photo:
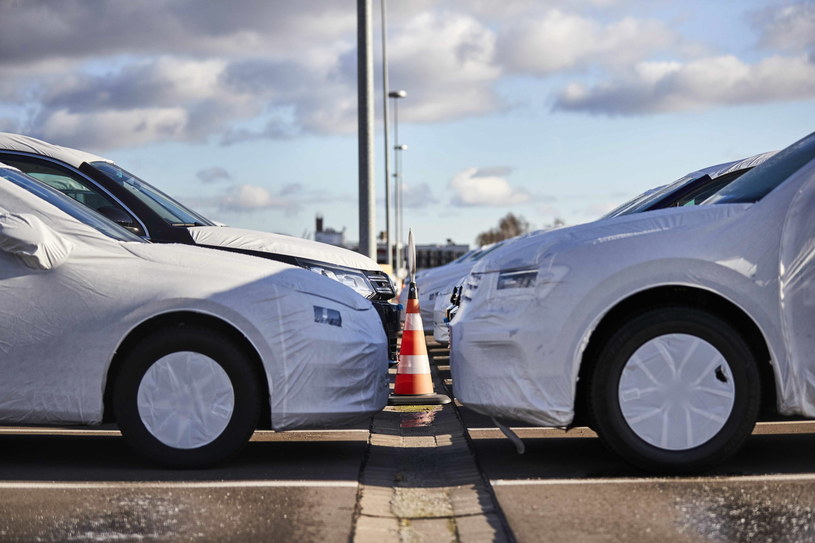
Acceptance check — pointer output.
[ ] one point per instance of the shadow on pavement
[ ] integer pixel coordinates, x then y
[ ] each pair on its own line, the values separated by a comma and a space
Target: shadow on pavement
108, 458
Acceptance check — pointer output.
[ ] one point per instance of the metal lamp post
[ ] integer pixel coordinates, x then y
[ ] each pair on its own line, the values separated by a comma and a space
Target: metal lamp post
385, 94
365, 106
396, 96
398, 204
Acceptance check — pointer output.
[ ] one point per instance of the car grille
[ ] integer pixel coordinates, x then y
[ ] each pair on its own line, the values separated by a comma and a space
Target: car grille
382, 285
470, 287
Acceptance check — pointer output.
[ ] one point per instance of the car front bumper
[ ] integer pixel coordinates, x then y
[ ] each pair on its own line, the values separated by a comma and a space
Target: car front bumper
510, 358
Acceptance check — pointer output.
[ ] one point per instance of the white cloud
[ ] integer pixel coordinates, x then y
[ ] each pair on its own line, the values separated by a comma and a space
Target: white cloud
132, 127
471, 188
291, 198
184, 70
251, 198
560, 41
447, 61
513, 9
715, 81
253, 70
35, 31
791, 27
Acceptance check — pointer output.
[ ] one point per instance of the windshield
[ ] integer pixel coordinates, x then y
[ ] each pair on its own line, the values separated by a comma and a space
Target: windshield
69, 206
635, 202
758, 182
465, 256
168, 209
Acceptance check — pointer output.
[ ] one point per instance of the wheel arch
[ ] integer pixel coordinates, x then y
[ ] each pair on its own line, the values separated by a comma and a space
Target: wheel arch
184, 318
676, 295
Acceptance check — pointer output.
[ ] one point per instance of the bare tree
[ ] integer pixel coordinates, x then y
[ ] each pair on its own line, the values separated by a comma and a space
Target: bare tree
509, 226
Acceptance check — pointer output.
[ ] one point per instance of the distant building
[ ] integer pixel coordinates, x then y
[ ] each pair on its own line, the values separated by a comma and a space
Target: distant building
430, 256
427, 256
328, 235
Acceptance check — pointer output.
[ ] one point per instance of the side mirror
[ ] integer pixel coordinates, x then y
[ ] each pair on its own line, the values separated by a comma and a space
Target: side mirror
37, 245
120, 217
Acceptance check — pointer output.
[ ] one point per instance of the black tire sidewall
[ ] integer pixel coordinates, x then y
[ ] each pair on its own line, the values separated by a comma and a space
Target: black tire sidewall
630, 336
232, 359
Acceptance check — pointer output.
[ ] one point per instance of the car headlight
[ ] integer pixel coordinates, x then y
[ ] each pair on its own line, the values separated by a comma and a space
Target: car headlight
354, 279
517, 279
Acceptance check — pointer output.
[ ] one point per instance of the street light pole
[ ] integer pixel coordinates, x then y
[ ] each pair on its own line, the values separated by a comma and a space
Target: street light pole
365, 91
399, 195
396, 96
389, 257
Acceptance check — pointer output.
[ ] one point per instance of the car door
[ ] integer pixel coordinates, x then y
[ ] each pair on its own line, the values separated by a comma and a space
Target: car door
59, 325
797, 294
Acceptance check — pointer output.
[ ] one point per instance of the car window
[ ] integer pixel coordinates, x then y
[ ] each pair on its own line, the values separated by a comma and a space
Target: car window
641, 200
70, 183
69, 206
761, 180
174, 213
484, 252
705, 190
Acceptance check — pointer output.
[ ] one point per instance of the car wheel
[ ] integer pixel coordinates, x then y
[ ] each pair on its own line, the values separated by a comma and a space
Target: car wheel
675, 389
187, 397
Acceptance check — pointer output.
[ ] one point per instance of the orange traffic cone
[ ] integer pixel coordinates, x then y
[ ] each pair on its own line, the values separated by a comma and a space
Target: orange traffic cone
414, 385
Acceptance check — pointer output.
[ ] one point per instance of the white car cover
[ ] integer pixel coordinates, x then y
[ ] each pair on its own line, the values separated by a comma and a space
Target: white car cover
322, 346
74, 157
215, 236
434, 282
797, 297
266, 242
516, 352
28, 238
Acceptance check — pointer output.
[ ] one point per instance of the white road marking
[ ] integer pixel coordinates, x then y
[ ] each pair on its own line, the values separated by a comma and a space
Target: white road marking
53, 485
93, 431
793, 477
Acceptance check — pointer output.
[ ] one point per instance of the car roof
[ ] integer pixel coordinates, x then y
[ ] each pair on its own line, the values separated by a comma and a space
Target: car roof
27, 144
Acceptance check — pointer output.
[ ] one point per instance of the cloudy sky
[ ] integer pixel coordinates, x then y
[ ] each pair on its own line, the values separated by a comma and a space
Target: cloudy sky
246, 109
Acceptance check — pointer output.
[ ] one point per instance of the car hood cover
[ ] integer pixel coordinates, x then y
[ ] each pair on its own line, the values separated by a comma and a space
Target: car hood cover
267, 242
532, 251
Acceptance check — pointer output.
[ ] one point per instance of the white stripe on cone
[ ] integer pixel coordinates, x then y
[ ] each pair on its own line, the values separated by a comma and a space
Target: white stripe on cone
414, 363
413, 321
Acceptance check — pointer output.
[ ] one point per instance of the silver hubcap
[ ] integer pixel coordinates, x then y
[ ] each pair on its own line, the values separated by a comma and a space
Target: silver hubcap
676, 392
185, 400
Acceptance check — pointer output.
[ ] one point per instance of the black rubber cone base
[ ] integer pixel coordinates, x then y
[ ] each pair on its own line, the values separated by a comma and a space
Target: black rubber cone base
418, 399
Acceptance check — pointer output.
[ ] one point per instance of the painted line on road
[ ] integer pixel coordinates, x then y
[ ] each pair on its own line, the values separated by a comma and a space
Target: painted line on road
55, 485
532, 432
800, 477
93, 431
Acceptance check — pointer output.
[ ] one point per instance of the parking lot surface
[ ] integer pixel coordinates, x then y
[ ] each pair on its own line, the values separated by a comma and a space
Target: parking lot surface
426, 473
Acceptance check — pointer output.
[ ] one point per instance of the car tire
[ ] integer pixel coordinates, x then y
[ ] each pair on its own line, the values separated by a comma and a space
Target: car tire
186, 397
675, 390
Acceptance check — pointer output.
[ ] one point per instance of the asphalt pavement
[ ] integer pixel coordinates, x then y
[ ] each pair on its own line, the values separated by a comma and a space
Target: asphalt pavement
413, 474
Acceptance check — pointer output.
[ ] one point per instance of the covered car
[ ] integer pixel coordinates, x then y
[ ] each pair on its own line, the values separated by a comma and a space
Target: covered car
432, 282
188, 350
690, 189
663, 331
121, 196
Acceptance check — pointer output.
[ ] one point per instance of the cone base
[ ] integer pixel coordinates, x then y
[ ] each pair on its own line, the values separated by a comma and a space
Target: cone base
413, 383
418, 399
